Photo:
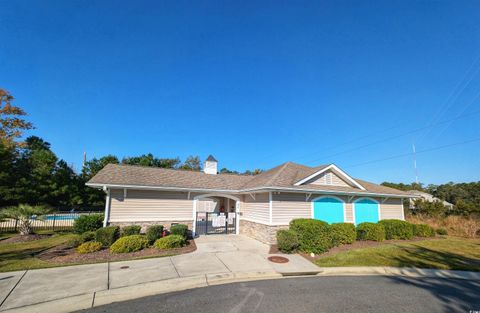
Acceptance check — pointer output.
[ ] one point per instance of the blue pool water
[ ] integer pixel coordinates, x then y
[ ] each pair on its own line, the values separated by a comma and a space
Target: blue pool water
61, 217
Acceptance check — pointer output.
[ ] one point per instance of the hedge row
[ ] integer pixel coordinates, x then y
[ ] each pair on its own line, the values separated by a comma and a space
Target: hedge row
128, 238
309, 235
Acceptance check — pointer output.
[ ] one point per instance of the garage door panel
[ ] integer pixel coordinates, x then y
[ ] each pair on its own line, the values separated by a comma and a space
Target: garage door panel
366, 210
330, 210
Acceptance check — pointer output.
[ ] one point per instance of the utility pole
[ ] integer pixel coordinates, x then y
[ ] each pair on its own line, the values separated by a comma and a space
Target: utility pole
415, 163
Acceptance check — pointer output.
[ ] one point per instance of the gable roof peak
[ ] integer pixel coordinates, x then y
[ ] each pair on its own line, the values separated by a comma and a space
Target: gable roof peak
211, 159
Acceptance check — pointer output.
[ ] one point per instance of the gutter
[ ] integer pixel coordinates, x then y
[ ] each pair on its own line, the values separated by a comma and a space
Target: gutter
257, 189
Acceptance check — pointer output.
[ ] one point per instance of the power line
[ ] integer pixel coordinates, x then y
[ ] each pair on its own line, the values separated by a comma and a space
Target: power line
417, 152
396, 136
455, 94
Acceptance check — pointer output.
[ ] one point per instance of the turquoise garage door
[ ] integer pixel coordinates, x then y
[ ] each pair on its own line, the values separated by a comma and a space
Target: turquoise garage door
366, 210
329, 210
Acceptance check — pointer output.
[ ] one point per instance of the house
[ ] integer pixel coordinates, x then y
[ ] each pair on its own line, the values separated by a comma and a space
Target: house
426, 197
256, 205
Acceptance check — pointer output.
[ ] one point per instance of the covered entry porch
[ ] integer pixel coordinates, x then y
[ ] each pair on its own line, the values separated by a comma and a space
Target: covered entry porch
216, 214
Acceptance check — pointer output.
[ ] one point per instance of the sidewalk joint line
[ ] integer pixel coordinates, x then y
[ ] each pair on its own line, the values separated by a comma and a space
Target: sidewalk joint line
223, 263
108, 275
15, 286
176, 271
93, 299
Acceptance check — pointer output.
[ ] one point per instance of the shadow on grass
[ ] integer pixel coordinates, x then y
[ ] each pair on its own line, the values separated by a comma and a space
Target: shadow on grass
418, 256
456, 295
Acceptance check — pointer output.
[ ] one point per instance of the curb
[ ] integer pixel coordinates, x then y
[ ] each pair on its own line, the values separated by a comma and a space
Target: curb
398, 271
103, 297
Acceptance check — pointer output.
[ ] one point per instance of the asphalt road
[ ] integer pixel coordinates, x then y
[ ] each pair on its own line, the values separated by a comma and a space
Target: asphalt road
316, 294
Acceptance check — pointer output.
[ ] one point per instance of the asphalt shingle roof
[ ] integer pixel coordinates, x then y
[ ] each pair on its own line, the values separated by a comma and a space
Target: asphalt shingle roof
282, 176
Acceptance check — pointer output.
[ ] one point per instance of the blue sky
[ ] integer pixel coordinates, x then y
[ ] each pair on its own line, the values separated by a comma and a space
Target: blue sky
253, 83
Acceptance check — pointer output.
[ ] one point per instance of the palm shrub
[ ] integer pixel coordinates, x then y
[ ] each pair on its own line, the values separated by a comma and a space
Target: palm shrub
23, 214
130, 230
107, 235
397, 229
170, 242
86, 223
343, 233
154, 232
370, 231
313, 235
129, 244
287, 240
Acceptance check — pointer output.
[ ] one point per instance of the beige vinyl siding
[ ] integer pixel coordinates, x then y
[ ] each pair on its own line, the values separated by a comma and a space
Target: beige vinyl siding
349, 213
287, 206
256, 210
391, 209
149, 205
323, 179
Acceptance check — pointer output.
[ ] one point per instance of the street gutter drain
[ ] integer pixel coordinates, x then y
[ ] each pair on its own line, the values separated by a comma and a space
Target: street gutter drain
277, 259
124, 267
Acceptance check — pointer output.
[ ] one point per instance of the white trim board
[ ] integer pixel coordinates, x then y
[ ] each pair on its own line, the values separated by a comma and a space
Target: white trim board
335, 169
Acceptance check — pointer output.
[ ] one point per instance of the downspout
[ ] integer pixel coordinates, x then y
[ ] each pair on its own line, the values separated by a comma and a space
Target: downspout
107, 208
270, 207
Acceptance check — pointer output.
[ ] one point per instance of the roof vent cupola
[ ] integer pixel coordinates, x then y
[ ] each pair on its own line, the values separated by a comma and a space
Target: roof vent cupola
210, 165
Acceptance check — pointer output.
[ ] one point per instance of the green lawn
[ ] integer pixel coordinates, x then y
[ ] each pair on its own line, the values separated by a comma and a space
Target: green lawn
21, 256
449, 253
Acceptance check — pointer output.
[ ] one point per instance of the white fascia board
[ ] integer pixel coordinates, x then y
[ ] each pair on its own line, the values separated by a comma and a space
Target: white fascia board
158, 188
320, 191
331, 167
251, 190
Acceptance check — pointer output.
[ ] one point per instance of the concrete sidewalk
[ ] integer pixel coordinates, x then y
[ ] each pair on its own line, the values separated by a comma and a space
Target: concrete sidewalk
218, 259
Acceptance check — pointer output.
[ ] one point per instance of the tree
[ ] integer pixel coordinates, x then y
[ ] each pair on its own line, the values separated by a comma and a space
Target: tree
11, 121
150, 160
92, 167
192, 163
227, 171
24, 213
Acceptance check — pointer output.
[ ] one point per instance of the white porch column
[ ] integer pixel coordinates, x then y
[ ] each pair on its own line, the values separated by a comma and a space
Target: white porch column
270, 208
194, 224
107, 209
237, 217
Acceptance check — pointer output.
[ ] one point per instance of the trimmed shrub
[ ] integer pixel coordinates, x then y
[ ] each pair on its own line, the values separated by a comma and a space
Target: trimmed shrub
107, 235
287, 240
179, 229
423, 230
154, 232
74, 242
370, 231
88, 236
441, 231
170, 242
129, 244
89, 247
86, 223
313, 235
130, 230
397, 229
343, 233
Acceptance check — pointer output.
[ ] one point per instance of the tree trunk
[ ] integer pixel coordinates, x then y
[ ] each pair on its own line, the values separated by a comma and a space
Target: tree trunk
25, 227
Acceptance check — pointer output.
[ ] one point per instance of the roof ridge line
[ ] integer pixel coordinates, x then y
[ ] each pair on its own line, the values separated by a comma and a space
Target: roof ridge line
175, 169
278, 173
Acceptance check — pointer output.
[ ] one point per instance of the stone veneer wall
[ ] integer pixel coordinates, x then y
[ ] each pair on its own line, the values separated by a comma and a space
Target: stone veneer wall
144, 225
261, 232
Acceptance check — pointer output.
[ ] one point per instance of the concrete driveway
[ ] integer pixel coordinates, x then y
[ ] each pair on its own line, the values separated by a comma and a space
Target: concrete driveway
215, 255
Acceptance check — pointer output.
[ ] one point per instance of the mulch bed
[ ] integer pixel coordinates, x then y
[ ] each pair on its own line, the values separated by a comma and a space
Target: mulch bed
359, 245
66, 255
24, 238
